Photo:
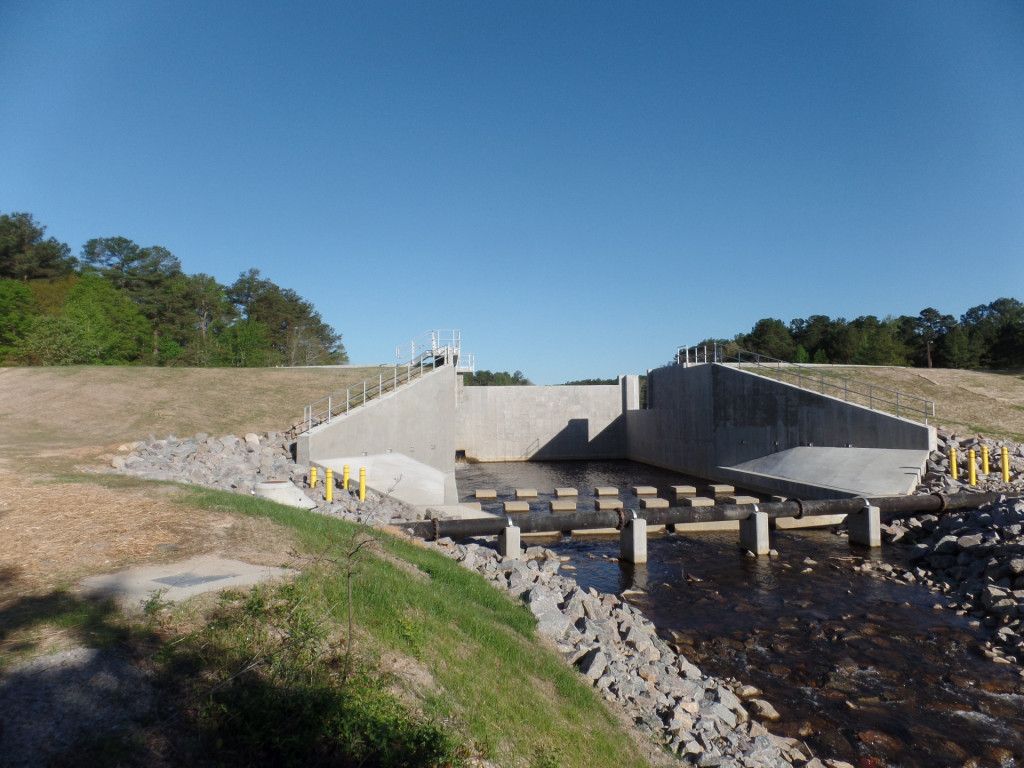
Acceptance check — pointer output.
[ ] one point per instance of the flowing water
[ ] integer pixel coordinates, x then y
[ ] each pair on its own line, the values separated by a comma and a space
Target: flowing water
860, 669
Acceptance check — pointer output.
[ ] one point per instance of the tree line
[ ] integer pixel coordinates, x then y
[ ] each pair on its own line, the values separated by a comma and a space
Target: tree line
122, 303
989, 336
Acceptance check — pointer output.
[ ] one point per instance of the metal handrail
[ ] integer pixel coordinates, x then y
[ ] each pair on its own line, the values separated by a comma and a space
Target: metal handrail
326, 409
841, 387
426, 352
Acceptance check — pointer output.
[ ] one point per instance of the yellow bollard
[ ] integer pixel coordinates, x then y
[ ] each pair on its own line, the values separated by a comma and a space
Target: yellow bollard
972, 470
984, 459
954, 471
362, 483
1006, 464
312, 477
344, 478
329, 485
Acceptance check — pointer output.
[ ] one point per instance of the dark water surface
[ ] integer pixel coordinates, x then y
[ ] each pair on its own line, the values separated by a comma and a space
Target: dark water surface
860, 669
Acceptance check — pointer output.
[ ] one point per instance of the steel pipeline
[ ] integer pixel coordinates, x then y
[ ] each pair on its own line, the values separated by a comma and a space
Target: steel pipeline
889, 507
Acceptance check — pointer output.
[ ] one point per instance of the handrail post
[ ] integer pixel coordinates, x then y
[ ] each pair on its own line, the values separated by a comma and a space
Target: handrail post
330, 409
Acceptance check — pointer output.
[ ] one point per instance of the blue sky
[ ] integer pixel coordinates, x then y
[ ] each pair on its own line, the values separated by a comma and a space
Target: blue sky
580, 187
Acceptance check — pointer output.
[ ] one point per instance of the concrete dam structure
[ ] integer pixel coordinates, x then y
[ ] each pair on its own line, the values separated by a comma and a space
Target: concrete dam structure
712, 420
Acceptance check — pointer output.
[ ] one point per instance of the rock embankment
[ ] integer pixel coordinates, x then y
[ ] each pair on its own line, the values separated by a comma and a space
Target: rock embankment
974, 558
704, 720
938, 477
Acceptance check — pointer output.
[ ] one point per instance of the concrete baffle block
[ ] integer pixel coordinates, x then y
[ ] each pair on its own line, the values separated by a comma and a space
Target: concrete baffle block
604, 490
486, 494
508, 542
653, 502
720, 489
645, 490
865, 527
566, 493
526, 493
741, 500
516, 507
698, 501
754, 533
561, 505
684, 490
608, 505
633, 542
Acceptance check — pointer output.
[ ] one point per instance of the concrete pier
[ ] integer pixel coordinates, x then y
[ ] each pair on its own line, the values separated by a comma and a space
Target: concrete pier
633, 541
508, 542
754, 533
866, 527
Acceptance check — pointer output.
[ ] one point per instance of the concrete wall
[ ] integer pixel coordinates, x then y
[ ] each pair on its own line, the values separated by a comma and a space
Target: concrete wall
705, 417
519, 423
418, 421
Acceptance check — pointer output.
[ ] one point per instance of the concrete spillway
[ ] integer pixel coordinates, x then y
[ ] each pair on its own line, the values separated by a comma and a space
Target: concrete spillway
711, 421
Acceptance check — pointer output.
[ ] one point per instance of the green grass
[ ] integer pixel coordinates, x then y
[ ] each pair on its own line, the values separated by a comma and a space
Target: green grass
503, 687
305, 672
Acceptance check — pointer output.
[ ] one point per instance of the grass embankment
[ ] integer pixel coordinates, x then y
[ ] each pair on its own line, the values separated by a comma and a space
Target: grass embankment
436, 665
989, 403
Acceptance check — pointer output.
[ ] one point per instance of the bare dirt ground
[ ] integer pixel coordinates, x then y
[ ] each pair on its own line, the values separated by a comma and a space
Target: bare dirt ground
56, 422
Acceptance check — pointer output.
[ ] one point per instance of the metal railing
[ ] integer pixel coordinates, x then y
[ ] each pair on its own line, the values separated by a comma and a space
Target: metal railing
428, 351
323, 411
815, 379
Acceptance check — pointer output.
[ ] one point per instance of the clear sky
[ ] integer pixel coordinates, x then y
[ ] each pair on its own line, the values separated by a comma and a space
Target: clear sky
580, 187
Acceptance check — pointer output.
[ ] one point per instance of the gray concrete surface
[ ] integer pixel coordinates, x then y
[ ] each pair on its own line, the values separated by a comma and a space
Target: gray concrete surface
418, 420
520, 423
179, 581
404, 478
851, 471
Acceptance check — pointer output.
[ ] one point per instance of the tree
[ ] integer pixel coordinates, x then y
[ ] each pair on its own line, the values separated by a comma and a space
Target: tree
110, 324
25, 255
772, 338
17, 307
143, 274
295, 331
499, 379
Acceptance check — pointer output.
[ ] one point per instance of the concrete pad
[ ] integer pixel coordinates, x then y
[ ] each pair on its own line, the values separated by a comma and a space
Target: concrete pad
738, 499
526, 493
400, 477
645, 490
604, 505
684, 490
603, 490
516, 507
486, 494
698, 501
650, 502
854, 471
566, 493
179, 581
558, 505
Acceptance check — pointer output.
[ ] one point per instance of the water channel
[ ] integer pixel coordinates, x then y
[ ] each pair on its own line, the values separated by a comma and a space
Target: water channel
860, 669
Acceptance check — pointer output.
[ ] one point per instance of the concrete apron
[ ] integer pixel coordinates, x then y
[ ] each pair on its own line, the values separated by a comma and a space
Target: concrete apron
407, 480
847, 471
179, 581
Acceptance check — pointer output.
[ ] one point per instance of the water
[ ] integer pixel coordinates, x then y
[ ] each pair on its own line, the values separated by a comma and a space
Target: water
860, 669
